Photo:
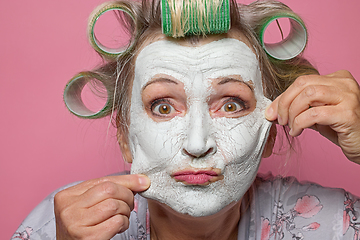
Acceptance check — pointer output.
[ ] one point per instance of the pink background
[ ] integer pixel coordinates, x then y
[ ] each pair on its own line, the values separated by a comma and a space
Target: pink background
44, 147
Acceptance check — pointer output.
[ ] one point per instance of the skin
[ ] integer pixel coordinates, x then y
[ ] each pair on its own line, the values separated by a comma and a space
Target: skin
329, 104
223, 225
99, 208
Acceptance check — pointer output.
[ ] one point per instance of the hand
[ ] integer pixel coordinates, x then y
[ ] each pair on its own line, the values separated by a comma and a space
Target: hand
98, 208
328, 104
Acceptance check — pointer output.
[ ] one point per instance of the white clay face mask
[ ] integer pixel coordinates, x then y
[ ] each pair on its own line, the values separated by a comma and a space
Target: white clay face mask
201, 135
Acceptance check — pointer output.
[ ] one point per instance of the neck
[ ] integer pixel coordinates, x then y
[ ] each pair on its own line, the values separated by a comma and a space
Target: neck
165, 223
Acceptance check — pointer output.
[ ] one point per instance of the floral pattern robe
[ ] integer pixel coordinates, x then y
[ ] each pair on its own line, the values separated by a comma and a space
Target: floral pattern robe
274, 208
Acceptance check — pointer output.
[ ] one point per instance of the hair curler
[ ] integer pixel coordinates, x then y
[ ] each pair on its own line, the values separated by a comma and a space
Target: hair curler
292, 45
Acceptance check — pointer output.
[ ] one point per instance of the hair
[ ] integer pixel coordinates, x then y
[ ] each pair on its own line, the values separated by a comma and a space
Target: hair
198, 11
117, 74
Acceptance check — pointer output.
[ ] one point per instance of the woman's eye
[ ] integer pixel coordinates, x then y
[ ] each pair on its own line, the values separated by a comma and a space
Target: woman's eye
163, 109
232, 107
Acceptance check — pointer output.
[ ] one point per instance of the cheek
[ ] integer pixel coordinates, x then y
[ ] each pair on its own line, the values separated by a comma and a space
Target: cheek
238, 138
155, 141
152, 141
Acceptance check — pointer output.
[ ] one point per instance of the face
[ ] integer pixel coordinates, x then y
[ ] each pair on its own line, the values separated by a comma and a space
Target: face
197, 125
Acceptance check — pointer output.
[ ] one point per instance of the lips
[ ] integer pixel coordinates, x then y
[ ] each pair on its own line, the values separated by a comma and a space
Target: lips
197, 177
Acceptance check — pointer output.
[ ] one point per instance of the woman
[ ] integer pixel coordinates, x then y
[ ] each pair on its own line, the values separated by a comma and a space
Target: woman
196, 128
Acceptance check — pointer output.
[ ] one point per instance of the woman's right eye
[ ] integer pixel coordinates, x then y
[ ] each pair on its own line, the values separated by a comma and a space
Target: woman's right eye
162, 108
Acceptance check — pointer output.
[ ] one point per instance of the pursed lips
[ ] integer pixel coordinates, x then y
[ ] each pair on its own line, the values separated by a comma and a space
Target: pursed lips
197, 177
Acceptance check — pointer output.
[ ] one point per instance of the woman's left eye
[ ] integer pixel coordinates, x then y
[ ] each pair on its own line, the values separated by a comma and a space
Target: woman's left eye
233, 106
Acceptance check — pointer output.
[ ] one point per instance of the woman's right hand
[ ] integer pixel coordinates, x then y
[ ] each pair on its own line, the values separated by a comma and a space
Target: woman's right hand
98, 208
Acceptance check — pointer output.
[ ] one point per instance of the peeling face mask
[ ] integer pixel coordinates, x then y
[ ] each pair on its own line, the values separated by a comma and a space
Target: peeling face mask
197, 125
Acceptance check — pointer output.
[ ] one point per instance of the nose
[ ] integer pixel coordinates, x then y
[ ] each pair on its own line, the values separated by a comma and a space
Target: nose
199, 142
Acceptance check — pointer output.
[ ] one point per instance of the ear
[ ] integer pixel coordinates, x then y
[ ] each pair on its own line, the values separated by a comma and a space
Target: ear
124, 146
269, 145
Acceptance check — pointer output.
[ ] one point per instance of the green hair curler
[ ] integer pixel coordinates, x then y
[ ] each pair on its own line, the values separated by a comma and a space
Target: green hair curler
73, 99
292, 45
95, 43
201, 17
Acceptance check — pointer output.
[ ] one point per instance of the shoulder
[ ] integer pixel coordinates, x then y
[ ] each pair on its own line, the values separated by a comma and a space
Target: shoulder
288, 188
292, 209
40, 223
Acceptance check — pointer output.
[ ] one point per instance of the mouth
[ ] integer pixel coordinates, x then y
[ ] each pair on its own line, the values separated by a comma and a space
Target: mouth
200, 177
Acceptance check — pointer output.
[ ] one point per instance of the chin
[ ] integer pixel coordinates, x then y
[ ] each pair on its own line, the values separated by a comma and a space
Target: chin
192, 206
195, 200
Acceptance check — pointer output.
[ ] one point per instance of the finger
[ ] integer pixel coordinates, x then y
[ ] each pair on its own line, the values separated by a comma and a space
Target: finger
324, 115
104, 211
271, 111
341, 74
134, 182
103, 191
114, 225
342, 80
313, 96
104, 230
295, 89
98, 204
286, 98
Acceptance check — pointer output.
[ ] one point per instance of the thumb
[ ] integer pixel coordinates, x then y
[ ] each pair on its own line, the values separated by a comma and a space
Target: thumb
134, 182
271, 111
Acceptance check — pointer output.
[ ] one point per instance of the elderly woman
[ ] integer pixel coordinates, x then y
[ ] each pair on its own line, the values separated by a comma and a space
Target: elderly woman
191, 119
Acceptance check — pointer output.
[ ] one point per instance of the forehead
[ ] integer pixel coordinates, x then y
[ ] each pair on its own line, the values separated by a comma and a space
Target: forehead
220, 58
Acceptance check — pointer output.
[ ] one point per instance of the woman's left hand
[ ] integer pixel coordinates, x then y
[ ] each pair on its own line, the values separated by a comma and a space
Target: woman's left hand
328, 104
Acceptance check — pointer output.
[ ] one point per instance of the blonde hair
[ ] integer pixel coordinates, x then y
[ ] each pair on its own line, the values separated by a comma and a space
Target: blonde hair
117, 73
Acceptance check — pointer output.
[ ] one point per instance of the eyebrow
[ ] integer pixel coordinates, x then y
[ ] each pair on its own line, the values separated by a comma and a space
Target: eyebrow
230, 79
166, 80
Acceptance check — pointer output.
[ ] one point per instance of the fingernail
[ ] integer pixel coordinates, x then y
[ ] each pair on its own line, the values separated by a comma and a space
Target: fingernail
280, 120
144, 180
291, 132
269, 113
